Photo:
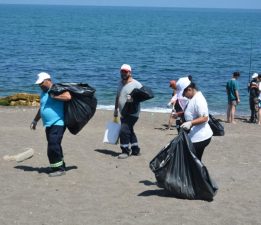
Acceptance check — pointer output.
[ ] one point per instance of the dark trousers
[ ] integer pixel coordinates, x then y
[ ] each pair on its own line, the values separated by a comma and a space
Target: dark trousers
180, 119
253, 108
54, 136
200, 147
128, 136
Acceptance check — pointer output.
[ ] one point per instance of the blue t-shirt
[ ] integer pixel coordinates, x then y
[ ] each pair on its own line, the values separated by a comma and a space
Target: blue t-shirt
52, 110
232, 87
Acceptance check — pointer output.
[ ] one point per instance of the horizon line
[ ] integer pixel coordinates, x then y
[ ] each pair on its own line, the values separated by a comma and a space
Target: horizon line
131, 6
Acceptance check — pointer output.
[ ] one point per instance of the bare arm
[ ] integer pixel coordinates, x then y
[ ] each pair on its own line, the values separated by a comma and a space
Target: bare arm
37, 116
116, 106
237, 96
36, 119
199, 120
65, 96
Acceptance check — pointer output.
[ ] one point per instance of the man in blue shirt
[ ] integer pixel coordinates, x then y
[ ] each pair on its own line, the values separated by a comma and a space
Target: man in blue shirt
52, 114
233, 97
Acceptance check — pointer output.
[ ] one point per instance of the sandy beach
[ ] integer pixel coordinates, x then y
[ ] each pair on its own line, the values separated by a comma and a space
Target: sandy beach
101, 189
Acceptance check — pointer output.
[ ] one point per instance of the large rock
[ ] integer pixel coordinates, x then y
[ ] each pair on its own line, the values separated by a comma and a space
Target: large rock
21, 99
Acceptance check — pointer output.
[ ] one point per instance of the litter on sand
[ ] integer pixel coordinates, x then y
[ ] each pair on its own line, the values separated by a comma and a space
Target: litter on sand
20, 157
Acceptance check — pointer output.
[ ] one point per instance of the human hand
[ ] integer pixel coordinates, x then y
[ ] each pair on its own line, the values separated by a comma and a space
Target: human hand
115, 114
186, 125
129, 98
174, 114
169, 104
33, 125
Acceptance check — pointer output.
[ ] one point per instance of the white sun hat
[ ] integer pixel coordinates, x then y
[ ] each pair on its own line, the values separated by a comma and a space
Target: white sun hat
182, 84
41, 77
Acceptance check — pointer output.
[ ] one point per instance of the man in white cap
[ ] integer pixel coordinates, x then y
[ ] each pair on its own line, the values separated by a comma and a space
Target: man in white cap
52, 114
253, 97
128, 140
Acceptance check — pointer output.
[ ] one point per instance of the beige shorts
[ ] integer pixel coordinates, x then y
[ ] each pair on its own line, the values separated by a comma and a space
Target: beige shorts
234, 103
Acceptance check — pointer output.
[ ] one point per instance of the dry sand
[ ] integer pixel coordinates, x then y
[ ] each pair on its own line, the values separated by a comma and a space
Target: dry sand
101, 189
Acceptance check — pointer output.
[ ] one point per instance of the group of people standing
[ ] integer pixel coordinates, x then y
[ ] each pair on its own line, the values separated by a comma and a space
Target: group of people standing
254, 89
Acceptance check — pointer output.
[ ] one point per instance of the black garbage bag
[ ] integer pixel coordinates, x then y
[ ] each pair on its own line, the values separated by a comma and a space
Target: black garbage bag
130, 108
138, 95
81, 108
141, 94
180, 172
216, 127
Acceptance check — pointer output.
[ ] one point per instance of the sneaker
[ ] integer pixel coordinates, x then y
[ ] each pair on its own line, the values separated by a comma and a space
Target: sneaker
135, 150
57, 173
123, 156
137, 154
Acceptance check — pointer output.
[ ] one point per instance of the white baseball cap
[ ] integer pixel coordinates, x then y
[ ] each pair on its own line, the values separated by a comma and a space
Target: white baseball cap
41, 77
181, 85
126, 67
255, 75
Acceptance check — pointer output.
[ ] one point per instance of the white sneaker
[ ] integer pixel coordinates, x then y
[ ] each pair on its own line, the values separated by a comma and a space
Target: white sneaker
123, 156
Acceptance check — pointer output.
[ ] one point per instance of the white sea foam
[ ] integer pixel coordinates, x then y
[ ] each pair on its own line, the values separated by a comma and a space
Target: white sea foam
153, 109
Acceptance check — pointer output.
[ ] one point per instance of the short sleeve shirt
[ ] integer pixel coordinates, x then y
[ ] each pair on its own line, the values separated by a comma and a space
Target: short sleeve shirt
232, 87
52, 110
197, 107
124, 90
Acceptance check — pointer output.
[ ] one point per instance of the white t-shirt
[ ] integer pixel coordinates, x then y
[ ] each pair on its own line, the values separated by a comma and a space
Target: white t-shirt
197, 107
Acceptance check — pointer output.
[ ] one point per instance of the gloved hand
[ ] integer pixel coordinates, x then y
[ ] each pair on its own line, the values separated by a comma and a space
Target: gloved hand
115, 114
186, 125
33, 125
129, 98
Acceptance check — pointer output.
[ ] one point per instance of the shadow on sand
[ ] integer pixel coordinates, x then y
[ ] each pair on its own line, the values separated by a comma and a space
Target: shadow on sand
107, 152
41, 169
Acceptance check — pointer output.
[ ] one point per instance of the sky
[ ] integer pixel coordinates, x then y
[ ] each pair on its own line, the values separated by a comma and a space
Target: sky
242, 4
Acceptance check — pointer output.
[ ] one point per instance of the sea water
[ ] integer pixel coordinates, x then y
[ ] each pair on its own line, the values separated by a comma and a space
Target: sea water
89, 44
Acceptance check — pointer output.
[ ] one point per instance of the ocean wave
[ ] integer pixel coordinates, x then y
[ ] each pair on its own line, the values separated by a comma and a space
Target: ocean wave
153, 109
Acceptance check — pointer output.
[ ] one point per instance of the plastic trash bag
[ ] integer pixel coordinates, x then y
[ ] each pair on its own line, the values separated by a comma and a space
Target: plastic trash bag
141, 94
112, 133
138, 95
81, 108
180, 172
216, 127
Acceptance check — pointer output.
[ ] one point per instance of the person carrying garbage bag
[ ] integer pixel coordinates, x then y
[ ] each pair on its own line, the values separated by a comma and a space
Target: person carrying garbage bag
178, 167
196, 116
128, 139
52, 114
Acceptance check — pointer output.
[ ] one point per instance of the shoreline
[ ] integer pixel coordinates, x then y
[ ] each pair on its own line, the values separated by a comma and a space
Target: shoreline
149, 110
